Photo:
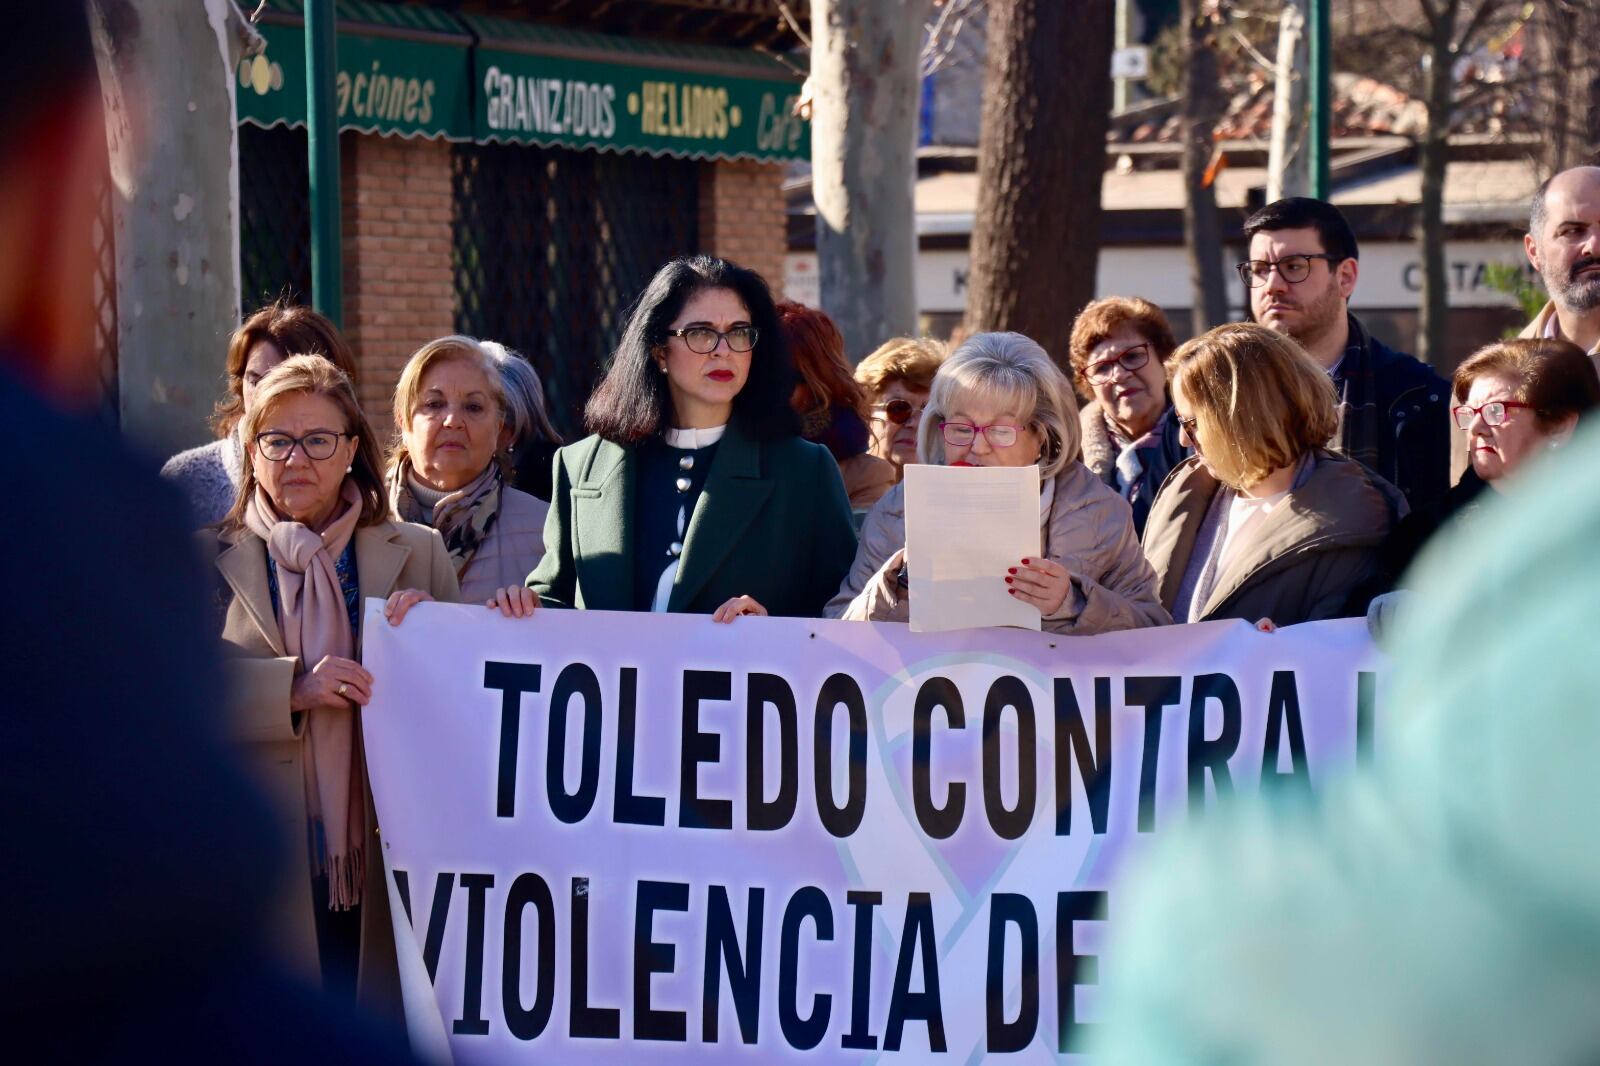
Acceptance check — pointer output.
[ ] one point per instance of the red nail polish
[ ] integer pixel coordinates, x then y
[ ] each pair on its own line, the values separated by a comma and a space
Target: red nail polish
1012, 591
1012, 570
1008, 581
1025, 562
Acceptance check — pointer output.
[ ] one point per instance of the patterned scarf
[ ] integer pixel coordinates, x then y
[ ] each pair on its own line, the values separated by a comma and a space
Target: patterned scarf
315, 623
463, 517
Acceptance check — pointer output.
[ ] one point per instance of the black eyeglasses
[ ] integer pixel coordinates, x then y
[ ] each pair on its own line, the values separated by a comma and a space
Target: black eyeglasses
1291, 268
702, 340
319, 444
1106, 369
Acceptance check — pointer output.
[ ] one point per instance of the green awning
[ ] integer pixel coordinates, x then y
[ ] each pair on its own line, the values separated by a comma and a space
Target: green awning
420, 71
551, 85
402, 70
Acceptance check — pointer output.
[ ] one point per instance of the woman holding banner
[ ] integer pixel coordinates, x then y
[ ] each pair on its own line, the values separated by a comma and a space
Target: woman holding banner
696, 493
308, 538
1000, 401
1263, 523
449, 469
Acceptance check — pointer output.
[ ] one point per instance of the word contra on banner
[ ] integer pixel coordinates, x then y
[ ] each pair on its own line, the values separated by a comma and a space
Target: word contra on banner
893, 844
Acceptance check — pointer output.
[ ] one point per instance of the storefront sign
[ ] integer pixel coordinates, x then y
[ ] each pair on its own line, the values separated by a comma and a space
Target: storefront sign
584, 104
385, 85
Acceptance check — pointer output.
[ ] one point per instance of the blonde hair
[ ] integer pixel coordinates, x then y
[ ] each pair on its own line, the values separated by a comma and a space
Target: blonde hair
1009, 369
909, 360
409, 389
1258, 401
316, 376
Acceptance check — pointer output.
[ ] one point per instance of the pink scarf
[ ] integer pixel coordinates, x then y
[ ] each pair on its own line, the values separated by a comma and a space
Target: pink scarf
312, 615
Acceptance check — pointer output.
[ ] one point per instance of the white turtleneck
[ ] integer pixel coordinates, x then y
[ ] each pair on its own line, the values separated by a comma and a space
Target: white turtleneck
692, 439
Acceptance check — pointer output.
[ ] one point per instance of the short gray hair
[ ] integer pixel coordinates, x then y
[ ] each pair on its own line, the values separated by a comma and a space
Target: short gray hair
524, 392
1015, 370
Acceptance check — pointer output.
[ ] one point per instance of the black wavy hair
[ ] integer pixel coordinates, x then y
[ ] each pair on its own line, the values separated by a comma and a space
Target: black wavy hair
1303, 212
632, 402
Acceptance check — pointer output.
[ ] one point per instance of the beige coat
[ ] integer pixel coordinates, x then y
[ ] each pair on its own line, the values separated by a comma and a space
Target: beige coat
866, 479
1089, 530
389, 556
1300, 564
512, 549
1541, 322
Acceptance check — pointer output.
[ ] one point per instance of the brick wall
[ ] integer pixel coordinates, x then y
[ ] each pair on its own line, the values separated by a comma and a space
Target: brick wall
398, 284
742, 217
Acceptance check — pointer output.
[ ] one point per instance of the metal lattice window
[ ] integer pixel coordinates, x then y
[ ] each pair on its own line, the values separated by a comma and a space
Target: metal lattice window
274, 216
553, 245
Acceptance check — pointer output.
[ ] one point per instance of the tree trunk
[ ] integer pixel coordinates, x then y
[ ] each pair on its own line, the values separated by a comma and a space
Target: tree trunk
863, 154
168, 69
1433, 158
1202, 227
1041, 158
1288, 157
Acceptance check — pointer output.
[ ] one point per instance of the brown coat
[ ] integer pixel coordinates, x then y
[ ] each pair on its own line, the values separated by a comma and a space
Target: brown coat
389, 556
1304, 560
866, 479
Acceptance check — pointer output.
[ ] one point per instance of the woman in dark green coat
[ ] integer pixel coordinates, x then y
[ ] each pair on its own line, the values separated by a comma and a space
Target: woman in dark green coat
696, 493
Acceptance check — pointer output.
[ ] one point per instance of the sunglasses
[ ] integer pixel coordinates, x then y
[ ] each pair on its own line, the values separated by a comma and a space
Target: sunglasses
899, 411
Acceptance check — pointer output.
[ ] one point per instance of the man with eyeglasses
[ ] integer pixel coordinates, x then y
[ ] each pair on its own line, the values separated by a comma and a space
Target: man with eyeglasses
1393, 409
1563, 244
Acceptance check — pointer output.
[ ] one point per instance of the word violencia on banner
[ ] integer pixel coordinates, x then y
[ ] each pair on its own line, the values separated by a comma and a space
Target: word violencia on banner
632, 837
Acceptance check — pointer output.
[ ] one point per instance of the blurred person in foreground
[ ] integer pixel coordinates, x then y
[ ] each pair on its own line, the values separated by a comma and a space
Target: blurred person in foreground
696, 493
1392, 408
209, 475
534, 439
140, 860
1263, 522
832, 404
1001, 401
1563, 244
1120, 346
897, 377
448, 469
1439, 906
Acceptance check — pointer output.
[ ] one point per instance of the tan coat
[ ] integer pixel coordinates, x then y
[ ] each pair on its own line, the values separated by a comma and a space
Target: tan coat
389, 556
1300, 564
866, 479
1089, 531
1541, 322
512, 549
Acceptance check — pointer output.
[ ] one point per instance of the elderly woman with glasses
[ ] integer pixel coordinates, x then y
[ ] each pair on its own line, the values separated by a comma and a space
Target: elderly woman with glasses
897, 378
1001, 401
1515, 400
696, 493
308, 539
1263, 522
1130, 436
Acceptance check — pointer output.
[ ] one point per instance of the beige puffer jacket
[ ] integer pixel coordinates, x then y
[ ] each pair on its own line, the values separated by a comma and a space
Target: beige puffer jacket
1088, 530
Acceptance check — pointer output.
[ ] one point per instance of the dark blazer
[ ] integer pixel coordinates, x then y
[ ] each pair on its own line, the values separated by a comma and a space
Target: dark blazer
773, 523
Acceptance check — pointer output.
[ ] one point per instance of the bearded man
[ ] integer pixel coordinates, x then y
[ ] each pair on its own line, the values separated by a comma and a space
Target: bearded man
1563, 244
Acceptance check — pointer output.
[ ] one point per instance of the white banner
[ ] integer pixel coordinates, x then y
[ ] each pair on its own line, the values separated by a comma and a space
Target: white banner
629, 838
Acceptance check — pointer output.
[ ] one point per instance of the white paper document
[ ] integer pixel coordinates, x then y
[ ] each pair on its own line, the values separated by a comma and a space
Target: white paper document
965, 527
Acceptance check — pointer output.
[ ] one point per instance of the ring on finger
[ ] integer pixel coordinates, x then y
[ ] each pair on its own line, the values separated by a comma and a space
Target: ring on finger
343, 688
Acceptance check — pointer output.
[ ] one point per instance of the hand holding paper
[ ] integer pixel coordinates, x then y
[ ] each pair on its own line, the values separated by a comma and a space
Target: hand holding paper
966, 527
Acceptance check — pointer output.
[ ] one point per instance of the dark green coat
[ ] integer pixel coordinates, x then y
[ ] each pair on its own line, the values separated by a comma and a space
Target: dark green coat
773, 523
